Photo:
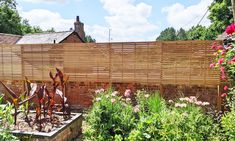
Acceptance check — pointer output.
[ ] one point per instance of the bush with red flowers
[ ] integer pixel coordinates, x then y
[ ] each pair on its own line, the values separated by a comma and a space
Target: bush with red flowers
225, 62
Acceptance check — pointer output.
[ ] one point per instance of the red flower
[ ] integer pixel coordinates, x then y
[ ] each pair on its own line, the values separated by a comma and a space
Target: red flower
225, 88
224, 95
233, 59
230, 29
220, 61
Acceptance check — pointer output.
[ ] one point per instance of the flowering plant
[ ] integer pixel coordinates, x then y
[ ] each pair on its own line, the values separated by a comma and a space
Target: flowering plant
225, 62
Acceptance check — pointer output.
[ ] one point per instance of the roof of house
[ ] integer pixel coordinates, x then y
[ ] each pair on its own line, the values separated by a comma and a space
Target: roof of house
9, 38
45, 38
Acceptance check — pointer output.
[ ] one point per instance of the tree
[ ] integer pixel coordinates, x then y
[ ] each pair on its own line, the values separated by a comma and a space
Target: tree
51, 30
169, 34
220, 16
10, 21
89, 39
197, 33
26, 28
181, 34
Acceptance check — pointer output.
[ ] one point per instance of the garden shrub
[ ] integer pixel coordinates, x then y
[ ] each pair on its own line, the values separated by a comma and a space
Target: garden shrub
148, 118
228, 124
110, 118
6, 120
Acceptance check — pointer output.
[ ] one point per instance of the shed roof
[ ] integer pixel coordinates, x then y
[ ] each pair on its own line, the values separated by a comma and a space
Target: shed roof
9, 38
44, 38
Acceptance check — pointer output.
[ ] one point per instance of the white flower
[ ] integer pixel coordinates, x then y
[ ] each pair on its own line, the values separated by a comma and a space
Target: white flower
177, 104
128, 100
113, 100
170, 101
205, 103
183, 105
98, 99
180, 105
99, 91
185, 114
146, 96
181, 99
199, 103
193, 98
136, 109
114, 93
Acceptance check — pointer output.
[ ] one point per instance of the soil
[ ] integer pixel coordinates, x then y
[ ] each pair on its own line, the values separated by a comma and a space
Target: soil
47, 124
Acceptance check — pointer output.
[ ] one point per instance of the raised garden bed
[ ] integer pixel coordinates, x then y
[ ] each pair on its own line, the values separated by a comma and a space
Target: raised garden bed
67, 131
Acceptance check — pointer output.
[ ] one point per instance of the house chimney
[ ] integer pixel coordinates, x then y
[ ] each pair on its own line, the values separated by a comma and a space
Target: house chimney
79, 28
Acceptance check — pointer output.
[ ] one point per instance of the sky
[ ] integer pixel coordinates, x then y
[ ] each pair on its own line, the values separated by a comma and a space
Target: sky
127, 20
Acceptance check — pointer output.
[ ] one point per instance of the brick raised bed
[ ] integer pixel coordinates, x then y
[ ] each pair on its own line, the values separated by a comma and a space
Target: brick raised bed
67, 132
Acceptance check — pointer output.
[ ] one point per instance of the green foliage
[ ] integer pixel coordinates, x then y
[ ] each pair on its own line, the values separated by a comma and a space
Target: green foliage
186, 123
169, 34
220, 16
228, 124
89, 39
26, 28
10, 21
109, 119
8, 120
181, 34
197, 33
115, 118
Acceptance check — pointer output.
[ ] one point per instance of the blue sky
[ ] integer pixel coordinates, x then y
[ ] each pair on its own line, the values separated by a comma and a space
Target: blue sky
129, 20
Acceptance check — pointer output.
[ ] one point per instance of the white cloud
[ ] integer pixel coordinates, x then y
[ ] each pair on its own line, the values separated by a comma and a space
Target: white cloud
180, 16
127, 21
47, 19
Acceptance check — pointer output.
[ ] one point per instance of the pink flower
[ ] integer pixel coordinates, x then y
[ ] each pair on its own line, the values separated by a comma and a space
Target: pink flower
127, 93
222, 69
220, 61
214, 46
223, 76
230, 29
223, 52
220, 47
224, 95
225, 88
212, 65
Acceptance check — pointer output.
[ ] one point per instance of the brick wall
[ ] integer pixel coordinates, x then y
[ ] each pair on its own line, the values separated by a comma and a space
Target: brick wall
80, 94
73, 38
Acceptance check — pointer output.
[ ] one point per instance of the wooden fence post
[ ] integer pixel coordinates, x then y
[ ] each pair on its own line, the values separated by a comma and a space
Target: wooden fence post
218, 98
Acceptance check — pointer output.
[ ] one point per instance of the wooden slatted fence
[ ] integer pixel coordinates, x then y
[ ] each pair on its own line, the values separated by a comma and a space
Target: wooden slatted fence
148, 63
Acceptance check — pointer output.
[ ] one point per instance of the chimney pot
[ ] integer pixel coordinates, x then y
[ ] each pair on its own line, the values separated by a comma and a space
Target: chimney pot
78, 19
